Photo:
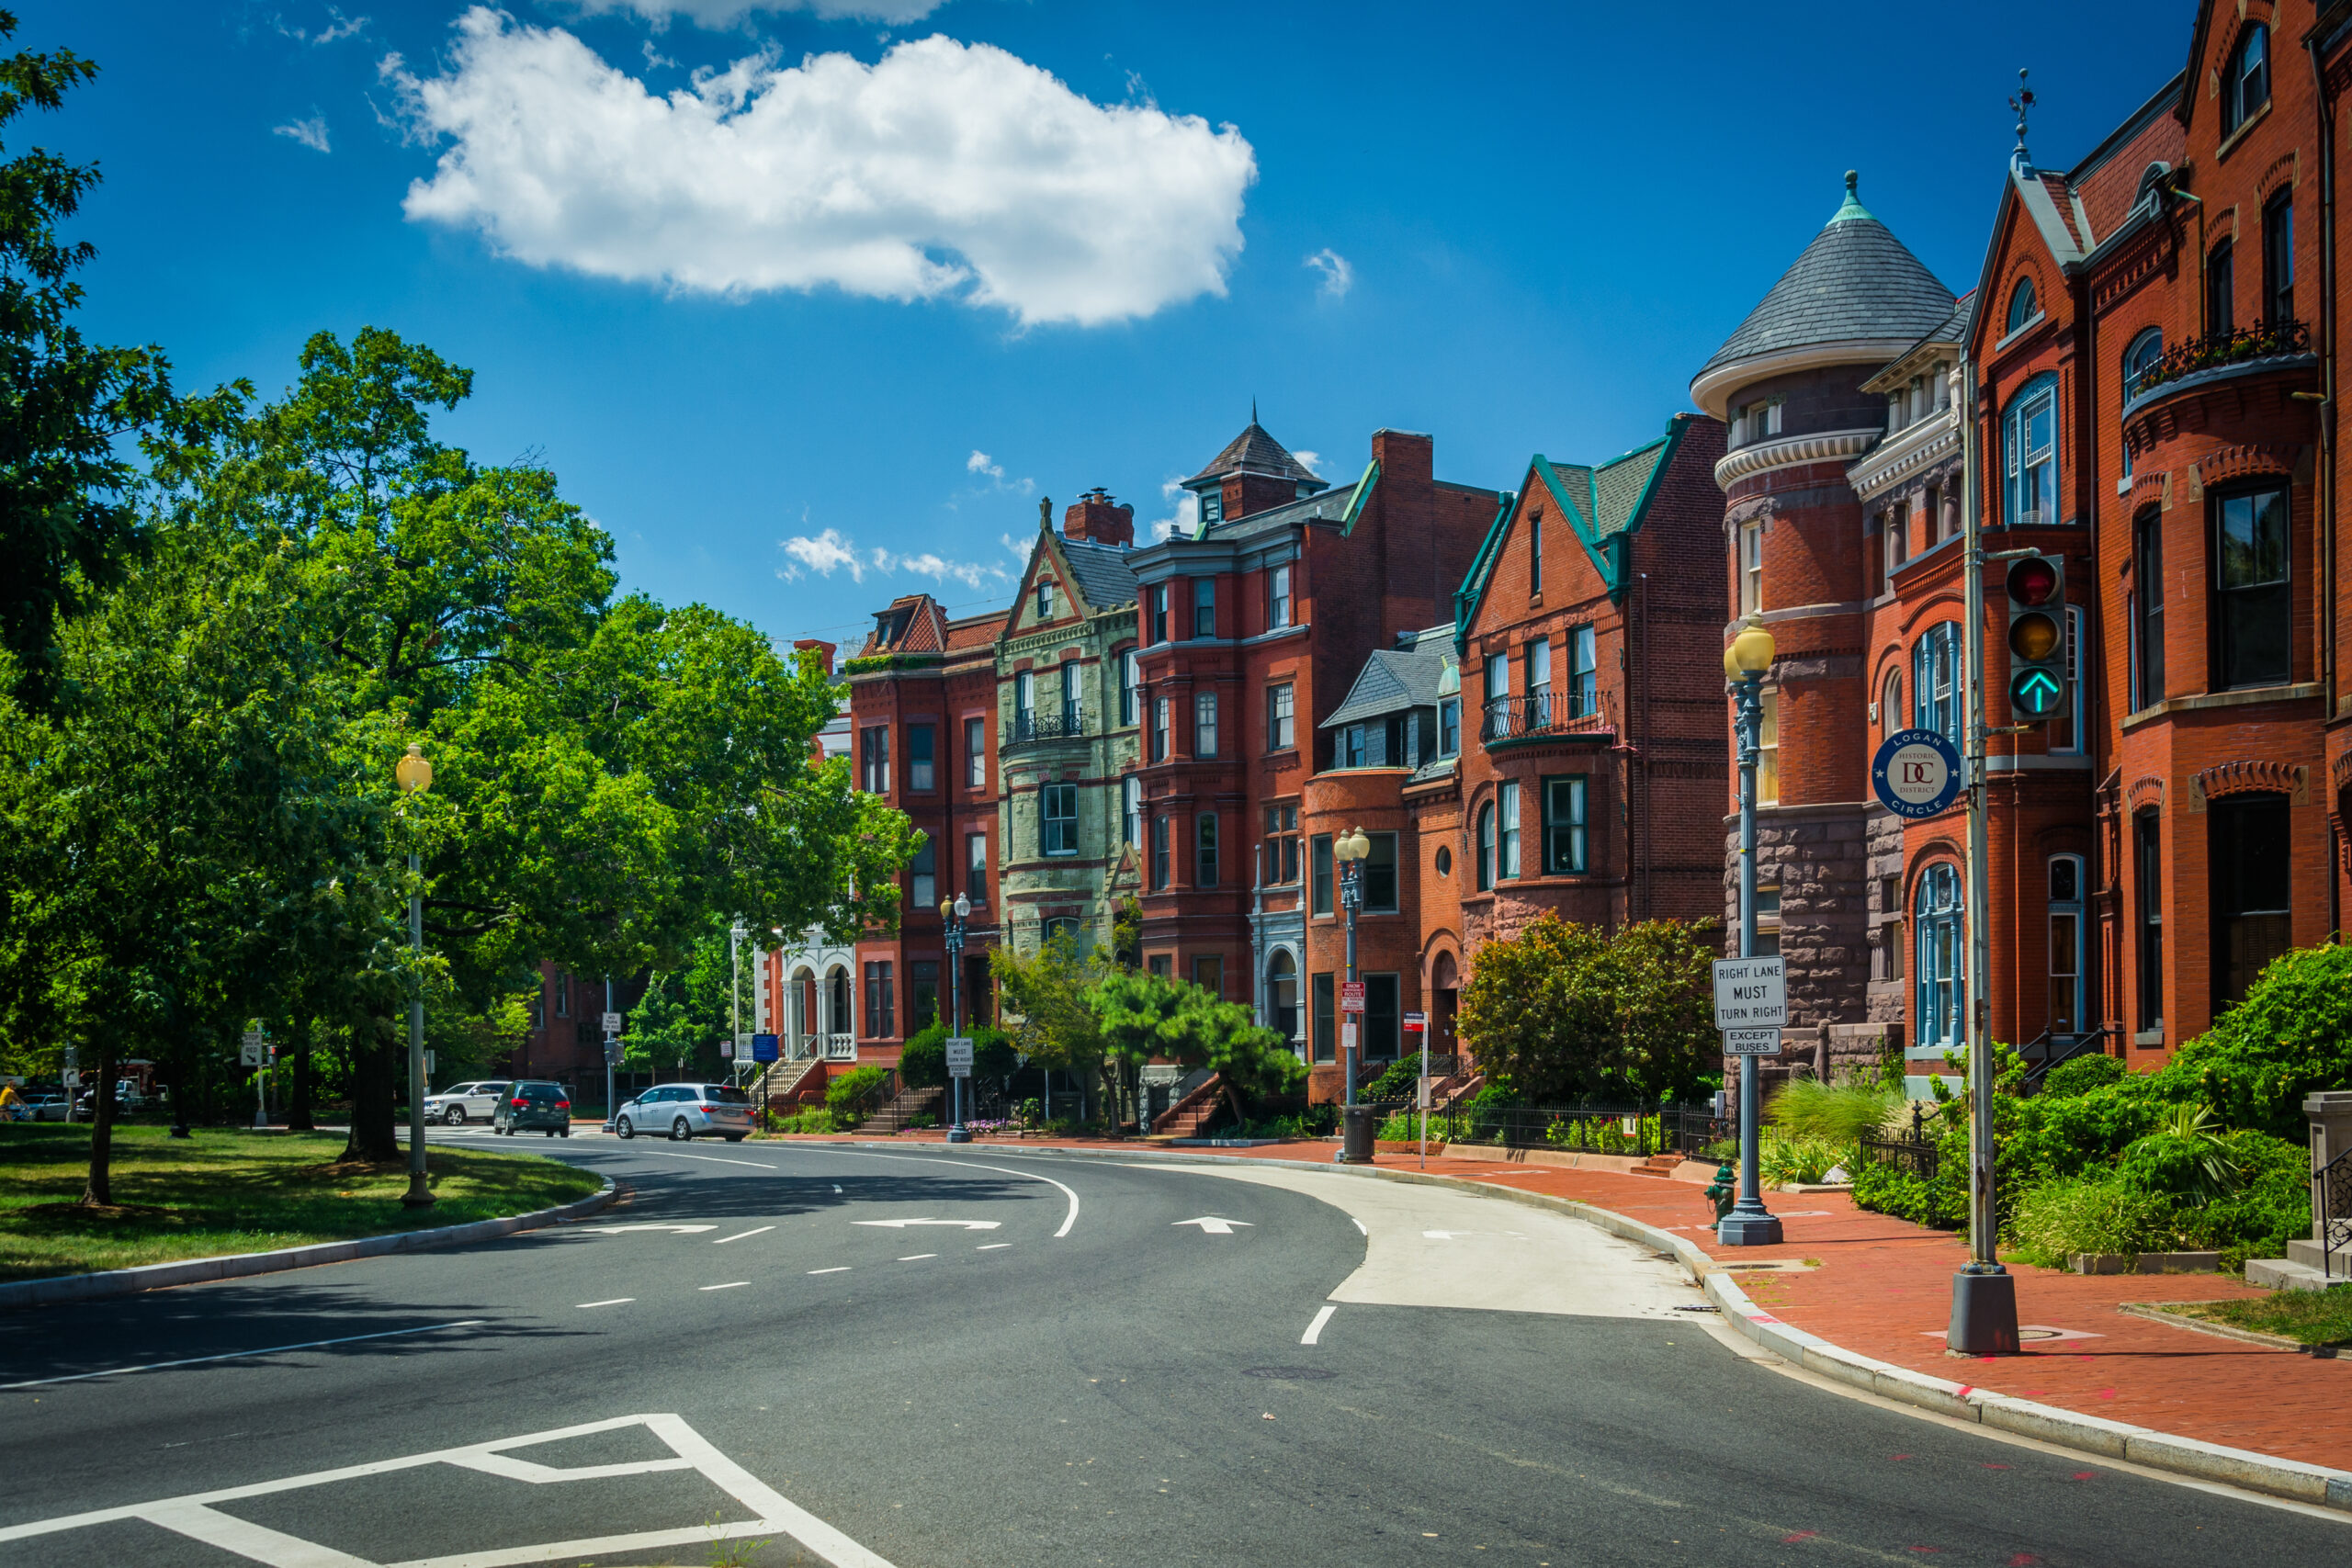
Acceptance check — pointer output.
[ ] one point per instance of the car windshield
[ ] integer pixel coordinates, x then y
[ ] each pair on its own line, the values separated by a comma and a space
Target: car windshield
724, 1094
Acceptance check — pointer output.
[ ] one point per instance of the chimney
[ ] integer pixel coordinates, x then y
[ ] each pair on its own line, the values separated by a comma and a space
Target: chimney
824, 649
1096, 520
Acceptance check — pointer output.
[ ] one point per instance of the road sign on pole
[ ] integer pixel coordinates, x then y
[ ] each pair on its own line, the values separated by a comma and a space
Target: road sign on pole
762, 1048
1751, 1041
612, 1023
1750, 993
1916, 773
1351, 995
253, 1048
959, 1057
1416, 1023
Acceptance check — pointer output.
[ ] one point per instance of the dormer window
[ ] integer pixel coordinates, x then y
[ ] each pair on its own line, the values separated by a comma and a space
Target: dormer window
2245, 85
1756, 422
1212, 507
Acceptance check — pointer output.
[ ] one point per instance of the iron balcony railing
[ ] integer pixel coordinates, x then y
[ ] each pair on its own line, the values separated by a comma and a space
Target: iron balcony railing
1069, 724
2263, 340
1545, 713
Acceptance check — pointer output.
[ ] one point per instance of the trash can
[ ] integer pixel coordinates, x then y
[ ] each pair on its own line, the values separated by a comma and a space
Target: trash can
1357, 1124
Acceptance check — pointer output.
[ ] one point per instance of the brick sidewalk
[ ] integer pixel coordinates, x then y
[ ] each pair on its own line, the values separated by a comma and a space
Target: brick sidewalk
1883, 1290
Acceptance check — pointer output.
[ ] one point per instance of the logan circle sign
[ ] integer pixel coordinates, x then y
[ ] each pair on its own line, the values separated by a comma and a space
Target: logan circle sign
1916, 773
1750, 993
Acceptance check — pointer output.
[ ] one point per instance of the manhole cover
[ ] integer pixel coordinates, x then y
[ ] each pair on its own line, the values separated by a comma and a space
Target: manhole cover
1289, 1375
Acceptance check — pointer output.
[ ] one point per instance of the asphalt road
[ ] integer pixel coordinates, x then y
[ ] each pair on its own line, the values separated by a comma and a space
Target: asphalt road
1068, 1373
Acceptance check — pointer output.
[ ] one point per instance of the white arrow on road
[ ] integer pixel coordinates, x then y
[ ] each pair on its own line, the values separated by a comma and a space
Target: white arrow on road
1211, 1226
901, 1225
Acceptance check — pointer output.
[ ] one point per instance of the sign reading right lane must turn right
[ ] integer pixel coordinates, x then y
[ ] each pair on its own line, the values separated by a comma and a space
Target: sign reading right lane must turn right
1750, 993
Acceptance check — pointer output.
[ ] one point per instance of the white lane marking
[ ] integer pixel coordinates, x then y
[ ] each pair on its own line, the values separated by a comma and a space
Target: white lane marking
624, 1230
241, 1355
991, 1247
1211, 1226
721, 1159
193, 1515
617, 1300
917, 1256
731, 1284
901, 1225
1067, 1220
838, 1269
1314, 1335
739, 1235
1361, 1225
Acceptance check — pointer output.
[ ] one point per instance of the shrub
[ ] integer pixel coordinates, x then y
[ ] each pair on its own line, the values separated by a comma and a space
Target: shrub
1837, 1114
1401, 1081
843, 1094
810, 1118
2185, 1158
2270, 1207
1886, 1190
1803, 1160
2081, 1076
2092, 1214
2291, 1035
923, 1063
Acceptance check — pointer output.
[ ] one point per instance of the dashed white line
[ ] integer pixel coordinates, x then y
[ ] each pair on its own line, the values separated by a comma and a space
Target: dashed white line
917, 1256
991, 1247
731, 1284
739, 1235
241, 1355
838, 1269
617, 1300
1314, 1335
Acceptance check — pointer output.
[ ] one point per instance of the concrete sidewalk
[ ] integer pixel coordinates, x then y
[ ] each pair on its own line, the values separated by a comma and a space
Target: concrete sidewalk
1881, 1287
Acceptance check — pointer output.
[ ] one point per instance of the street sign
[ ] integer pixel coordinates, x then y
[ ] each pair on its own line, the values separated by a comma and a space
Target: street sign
1416, 1023
959, 1057
1351, 995
1751, 1041
612, 1052
1916, 773
72, 1077
612, 1023
249, 1053
764, 1049
1750, 993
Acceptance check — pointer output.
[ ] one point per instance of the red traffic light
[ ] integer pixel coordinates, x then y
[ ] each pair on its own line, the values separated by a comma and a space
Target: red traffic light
2032, 581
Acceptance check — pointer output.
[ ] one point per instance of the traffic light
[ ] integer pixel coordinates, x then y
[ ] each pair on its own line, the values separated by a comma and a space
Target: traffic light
2037, 637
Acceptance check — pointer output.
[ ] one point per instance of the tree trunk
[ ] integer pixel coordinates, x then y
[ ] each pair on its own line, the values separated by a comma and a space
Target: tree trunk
374, 1061
99, 1190
298, 1116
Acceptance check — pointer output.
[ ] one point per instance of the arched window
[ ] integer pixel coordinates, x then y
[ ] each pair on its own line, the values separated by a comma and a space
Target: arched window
2138, 360
2245, 85
1487, 848
1935, 681
1938, 930
1890, 702
1282, 995
2023, 306
2067, 944
2029, 454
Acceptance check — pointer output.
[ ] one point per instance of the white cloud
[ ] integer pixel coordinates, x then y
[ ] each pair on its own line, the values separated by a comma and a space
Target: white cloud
719, 14
339, 26
978, 463
830, 552
1311, 461
1337, 276
1018, 549
823, 554
943, 170
311, 132
1183, 519
974, 575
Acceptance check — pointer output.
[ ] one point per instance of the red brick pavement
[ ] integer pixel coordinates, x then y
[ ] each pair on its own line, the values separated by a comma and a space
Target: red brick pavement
1883, 1290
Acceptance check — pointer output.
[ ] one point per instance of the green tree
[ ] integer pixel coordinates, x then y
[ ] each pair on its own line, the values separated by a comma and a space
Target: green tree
1047, 989
1146, 1016
69, 523
1568, 1013
685, 1011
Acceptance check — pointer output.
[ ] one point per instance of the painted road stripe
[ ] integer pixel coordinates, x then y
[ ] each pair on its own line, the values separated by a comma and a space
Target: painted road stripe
917, 1256
731, 1285
1360, 1225
837, 1268
1068, 1219
717, 1160
241, 1355
1314, 1335
991, 1247
617, 1300
739, 1235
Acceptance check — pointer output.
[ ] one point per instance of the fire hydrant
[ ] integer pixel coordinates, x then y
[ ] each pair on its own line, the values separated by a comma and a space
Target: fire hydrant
1724, 1190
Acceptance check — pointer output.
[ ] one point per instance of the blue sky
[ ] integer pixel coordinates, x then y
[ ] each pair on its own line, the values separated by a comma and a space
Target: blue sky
823, 329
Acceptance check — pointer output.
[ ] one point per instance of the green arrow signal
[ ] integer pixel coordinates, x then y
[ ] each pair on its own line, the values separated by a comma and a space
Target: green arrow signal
2034, 692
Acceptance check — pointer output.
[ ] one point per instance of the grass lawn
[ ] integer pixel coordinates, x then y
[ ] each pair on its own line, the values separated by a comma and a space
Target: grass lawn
2311, 1317
224, 1190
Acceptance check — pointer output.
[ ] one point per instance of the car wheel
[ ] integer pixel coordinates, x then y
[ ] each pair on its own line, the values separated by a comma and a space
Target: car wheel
454, 1116
565, 1134
624, 1129
679, 1132
550, 1132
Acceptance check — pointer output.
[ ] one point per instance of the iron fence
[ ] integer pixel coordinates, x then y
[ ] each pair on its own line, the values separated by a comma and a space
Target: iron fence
1618, 1128
2332, 1208
1915, 1157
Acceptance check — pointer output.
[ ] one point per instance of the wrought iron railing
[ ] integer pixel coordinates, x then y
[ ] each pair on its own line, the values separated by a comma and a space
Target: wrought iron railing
2056, 1050
1622, 1129
1915, 1156
2332, 1211
2263, 340
1068, 725
1544, 713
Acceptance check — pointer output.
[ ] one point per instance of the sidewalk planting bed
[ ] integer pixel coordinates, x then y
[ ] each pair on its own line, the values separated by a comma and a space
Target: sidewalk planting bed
227, 1192
2308, 1317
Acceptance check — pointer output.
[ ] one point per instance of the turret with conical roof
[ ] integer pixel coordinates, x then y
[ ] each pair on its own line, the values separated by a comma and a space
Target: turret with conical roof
1254, 471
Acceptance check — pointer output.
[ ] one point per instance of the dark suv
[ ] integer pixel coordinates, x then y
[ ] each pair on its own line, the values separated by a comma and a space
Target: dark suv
529, 1106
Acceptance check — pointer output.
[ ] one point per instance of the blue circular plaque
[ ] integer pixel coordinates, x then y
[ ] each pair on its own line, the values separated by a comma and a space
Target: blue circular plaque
1916, 773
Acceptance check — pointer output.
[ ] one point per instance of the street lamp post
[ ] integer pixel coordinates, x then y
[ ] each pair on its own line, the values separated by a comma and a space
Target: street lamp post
952, 915
1749, 1223
1350, 848
415, 776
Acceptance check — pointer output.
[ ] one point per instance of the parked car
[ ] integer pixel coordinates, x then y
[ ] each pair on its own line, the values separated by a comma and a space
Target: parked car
128, 1098
47, 1107
463, 1103
533, 1107
685, 1110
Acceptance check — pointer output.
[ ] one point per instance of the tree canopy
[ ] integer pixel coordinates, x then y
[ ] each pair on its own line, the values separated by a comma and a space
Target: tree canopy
1568, 1013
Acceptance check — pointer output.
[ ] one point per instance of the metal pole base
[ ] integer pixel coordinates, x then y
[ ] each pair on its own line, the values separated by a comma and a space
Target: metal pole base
1746, 1226
1984, 1313
416, 1197
959, 1134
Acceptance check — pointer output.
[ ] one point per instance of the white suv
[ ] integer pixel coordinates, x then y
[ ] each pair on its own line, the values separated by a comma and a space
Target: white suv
687, 1111
463, 1101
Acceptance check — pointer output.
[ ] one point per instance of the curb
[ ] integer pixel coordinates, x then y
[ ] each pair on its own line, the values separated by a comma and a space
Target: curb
2025, 1418
238, 1265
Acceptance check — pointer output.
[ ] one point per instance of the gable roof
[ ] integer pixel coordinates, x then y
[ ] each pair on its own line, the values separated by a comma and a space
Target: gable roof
1855, 283
1392, 680
1255, 452
1101, 572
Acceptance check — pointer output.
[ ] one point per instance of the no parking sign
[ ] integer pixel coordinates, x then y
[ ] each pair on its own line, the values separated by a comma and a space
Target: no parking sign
1916, 773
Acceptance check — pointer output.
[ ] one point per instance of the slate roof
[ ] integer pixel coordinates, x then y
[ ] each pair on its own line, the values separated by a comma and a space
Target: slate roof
1855, 281
1255, 452
1605, 496
1104, 578
1330, 506
1391, 681
980, 631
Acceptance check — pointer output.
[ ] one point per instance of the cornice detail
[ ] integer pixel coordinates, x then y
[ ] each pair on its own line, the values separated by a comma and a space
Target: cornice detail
1922, 447
1793, 451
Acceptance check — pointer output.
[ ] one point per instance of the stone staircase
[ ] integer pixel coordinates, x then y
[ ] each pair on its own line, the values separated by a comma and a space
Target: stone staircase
903, 1109
1661, 1165
787, 1084
1188, 1116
